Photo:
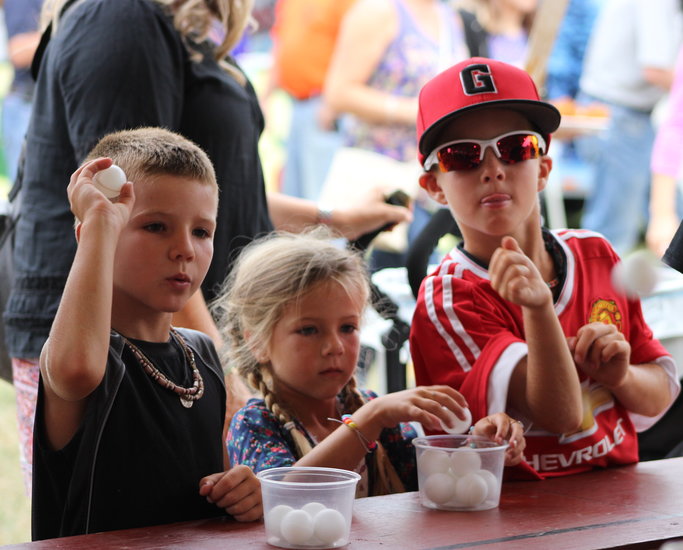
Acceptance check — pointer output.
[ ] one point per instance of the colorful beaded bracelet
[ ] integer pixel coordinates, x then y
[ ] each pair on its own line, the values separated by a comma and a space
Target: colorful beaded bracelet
368, 444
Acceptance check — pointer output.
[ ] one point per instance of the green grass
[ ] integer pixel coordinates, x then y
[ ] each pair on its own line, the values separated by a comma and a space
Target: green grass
15, 518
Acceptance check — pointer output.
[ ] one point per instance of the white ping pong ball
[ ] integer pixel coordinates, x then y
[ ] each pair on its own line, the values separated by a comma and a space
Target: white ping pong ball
635, 275
329, 525
433, 462
312, 508
297, 527
457, 426
464, 461
471, 490
274, 518
491, 482
439, 488
110, 181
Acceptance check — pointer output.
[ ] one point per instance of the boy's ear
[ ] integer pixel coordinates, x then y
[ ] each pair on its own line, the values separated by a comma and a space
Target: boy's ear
545, 166
429, 183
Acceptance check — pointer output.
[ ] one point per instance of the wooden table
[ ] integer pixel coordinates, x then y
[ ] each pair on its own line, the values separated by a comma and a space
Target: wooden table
633, 507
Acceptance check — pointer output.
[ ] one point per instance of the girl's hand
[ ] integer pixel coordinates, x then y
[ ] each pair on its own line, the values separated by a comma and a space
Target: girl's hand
515, 277
602, 352
499, 427
424, 404
87, 200
237, 490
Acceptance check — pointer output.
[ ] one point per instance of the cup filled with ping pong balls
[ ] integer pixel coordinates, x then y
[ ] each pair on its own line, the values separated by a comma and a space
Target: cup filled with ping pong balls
307, 507
459, 472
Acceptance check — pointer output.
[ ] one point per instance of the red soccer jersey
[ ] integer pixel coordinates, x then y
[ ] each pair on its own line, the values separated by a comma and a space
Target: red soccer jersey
465, 335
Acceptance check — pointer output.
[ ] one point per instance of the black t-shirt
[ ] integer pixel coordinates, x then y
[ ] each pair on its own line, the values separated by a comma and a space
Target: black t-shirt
139, 455
114, 65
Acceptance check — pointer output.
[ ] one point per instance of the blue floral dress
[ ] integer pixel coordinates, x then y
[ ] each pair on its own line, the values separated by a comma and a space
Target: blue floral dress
257, 439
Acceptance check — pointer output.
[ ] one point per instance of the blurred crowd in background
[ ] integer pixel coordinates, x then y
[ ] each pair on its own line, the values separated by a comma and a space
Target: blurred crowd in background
331, 80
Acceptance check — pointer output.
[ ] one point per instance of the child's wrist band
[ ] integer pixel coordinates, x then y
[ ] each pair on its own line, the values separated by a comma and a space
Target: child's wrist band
368, 444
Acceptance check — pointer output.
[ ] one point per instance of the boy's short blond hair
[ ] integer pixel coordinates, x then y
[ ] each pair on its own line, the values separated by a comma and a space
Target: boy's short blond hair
148, 151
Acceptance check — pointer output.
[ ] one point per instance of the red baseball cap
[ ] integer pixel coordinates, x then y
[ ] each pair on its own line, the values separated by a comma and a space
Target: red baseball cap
478, 83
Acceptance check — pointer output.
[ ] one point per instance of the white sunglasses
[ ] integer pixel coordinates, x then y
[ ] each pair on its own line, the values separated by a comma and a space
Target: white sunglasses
466, 154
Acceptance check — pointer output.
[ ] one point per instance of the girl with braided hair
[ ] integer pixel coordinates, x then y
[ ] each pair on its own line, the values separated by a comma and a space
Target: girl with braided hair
290, 315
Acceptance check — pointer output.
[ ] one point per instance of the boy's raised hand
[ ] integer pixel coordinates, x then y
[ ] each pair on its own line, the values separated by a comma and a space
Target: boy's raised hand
515, 277
86, 199
602, 352
237, 490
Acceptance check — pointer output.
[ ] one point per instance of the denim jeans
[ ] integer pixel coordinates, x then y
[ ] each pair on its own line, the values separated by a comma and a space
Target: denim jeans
617, 206
310, 150
16, 112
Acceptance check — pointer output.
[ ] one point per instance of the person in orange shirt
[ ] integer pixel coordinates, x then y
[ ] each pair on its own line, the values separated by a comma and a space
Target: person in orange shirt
304, 35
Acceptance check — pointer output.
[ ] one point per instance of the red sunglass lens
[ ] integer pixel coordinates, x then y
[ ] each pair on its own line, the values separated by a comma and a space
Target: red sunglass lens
460, 156
518, 147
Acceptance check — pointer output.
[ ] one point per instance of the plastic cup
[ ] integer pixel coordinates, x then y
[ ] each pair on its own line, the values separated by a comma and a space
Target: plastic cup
306, 507
459, 472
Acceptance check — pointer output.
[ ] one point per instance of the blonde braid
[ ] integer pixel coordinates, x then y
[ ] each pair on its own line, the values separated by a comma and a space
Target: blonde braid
352, 400
385, 480
301, 443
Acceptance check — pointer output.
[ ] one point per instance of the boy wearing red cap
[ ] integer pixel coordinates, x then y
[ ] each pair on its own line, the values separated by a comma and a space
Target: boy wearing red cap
519, 318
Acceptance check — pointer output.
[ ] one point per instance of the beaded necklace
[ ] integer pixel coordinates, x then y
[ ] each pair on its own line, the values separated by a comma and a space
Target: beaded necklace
187, 395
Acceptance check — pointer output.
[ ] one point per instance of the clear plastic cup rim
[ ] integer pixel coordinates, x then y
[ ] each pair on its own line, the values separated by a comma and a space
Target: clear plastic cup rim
346, 476
426, 442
